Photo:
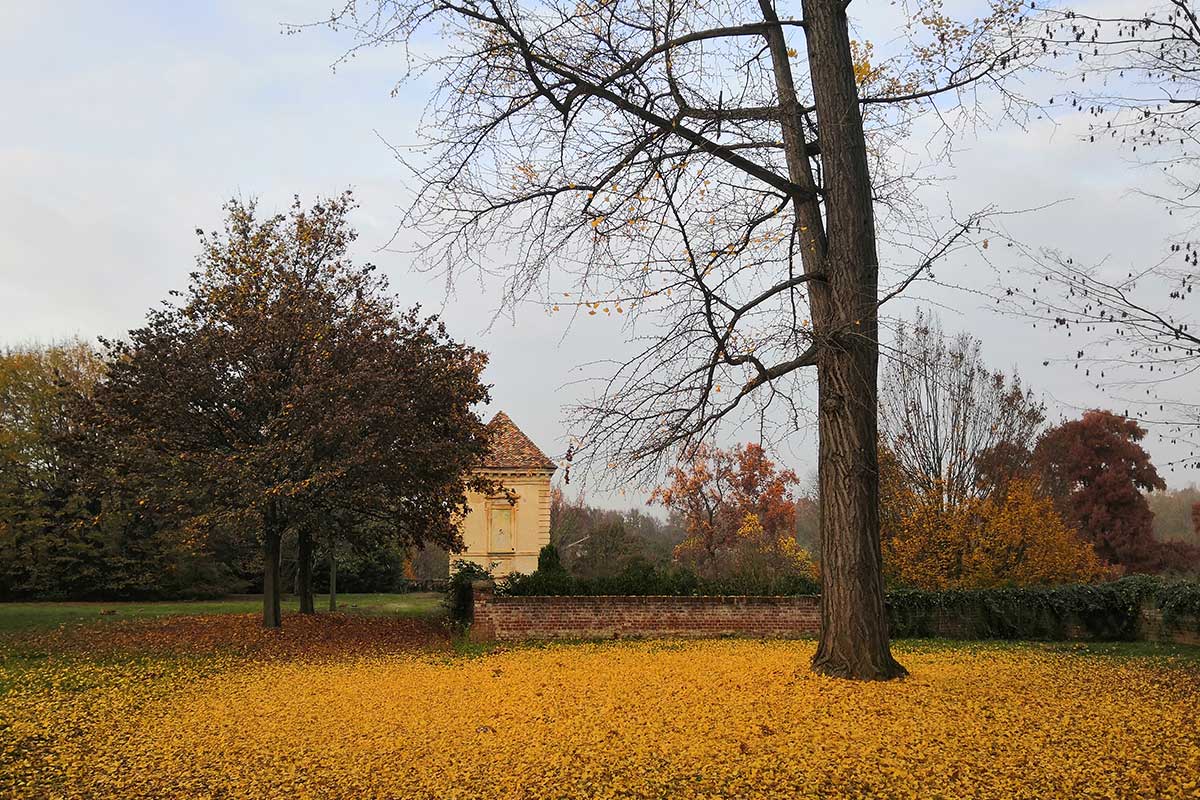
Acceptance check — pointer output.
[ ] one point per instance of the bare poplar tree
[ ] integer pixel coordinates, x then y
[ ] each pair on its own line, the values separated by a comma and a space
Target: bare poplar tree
943, 412
709, 172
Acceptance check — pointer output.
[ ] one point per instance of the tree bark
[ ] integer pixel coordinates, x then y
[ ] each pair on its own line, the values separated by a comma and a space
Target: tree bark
272, 536
854, 631
332, 577
304, 585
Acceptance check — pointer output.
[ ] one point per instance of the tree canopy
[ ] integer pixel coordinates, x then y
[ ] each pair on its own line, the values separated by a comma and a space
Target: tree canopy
286, 384
946, 417
1097, 471
739, 512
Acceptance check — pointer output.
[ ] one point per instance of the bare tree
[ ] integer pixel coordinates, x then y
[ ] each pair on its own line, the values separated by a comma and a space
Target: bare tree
1133, 331
1132, 338
681, 165
943, 413
1139, 79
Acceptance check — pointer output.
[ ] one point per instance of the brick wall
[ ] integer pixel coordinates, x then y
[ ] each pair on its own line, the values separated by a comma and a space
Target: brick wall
545, 617
1152, 629
608, 617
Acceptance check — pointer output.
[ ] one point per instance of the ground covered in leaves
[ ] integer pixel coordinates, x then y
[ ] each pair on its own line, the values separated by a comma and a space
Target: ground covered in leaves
344, 707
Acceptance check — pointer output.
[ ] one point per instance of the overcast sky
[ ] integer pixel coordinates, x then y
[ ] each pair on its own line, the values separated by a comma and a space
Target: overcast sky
128, 124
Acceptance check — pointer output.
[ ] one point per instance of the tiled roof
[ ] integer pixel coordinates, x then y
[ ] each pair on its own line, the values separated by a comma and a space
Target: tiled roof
510, 448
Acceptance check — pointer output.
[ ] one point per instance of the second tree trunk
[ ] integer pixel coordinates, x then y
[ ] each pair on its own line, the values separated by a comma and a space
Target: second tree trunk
304, 583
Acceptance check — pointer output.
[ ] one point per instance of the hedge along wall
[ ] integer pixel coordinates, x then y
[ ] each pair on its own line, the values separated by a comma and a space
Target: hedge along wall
997, 614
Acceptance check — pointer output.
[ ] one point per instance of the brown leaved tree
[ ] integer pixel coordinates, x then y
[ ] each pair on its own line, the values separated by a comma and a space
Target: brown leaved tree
285, 385
738, 509
1097, 471
710, 170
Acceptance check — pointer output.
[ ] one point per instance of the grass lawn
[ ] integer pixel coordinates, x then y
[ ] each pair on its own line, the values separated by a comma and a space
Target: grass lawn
383, 705
34, 616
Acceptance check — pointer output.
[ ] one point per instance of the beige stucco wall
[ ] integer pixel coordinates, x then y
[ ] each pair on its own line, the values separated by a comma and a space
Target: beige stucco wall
530, 523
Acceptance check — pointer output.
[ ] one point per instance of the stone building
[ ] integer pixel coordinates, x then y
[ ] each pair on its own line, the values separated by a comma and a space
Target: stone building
506, 531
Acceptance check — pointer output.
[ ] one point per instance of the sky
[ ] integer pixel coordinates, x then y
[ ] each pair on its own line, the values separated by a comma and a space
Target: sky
127, 125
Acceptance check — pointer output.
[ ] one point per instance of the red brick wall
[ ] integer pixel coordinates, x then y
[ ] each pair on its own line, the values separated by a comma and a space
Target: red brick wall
1151, 628
506, 618
609, 617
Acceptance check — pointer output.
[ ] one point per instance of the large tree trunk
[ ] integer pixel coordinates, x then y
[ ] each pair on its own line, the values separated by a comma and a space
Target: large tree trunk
854, 635
304, 586
272, 537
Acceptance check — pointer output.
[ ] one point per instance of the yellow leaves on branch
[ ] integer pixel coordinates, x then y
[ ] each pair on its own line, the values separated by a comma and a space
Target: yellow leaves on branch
861, 54
527, 172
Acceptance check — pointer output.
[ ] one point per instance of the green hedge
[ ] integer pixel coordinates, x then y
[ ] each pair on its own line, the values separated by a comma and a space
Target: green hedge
643, 578
1107, 611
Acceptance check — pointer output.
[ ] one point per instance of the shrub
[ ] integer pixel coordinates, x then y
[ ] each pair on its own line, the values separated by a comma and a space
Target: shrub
640, 577
459, 601
548, 560
1178, 600
1106, 611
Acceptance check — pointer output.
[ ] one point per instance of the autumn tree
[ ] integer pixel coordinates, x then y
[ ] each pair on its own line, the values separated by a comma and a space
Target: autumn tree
285, 383
45, 543
946, 417
761, 555
739, 513
1006, 531
696, 493
64, 532
711, 170
36, 388
1010, 538
1096, 470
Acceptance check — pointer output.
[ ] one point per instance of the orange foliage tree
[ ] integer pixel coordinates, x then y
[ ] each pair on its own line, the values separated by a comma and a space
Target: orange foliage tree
739, 511
1009, 538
